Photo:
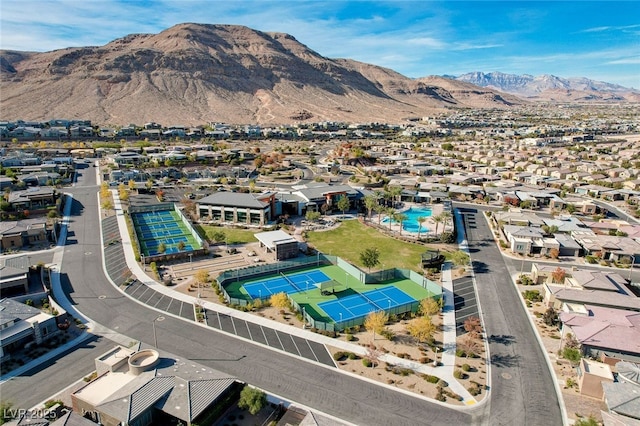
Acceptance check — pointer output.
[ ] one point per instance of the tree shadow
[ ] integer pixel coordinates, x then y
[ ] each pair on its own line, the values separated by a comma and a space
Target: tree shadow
480, 267
505, 360
501, 339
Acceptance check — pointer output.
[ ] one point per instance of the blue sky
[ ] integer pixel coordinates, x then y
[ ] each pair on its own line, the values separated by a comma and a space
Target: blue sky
594, 39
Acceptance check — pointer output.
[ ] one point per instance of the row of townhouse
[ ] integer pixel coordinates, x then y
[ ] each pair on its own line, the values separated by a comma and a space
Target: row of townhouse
192, 174
598, 311
529, 234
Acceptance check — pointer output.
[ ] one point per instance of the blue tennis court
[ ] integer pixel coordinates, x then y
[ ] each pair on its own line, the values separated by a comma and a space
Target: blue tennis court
159, 226
361, 304
285, 284
162, 227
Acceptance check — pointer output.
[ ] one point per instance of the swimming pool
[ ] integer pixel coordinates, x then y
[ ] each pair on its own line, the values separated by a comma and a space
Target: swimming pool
411, 224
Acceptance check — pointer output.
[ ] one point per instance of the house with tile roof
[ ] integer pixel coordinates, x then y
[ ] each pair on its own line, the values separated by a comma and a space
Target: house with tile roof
604, 333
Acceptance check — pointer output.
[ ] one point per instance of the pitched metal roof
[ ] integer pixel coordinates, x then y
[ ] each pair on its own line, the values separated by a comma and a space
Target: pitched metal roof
236, 199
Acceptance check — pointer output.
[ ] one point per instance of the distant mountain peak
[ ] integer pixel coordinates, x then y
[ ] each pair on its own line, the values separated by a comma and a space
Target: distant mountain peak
550, 87
195, 73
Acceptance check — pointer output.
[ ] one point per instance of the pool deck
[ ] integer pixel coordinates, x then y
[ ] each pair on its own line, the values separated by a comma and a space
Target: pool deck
429, 223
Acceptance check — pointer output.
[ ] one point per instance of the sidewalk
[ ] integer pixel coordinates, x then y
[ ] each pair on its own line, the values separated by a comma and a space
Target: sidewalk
61, 299
445, 371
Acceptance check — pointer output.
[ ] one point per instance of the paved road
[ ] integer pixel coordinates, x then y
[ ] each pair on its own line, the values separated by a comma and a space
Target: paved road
523, 391
37, 385
305, 382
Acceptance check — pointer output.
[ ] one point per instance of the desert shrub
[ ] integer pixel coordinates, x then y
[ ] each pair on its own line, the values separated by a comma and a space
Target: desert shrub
388, 334
431, 379
474, 389
367, 362
572, 354
349, 337
525, 279
532, 295
339, 356
459, 374
402, 371
466, 367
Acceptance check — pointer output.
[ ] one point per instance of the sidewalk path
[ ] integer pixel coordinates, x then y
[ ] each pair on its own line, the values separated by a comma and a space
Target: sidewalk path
445, 371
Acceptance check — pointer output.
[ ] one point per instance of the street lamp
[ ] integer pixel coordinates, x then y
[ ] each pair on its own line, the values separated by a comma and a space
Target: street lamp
633, 262
191, 260
435, 360
153, 324
260, 294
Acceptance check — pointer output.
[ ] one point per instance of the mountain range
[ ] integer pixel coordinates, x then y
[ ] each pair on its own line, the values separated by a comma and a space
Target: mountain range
549, 87
197, 73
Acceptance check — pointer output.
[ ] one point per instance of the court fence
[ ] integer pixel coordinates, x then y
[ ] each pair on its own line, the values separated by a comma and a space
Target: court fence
321, 259
164, 257
257, 271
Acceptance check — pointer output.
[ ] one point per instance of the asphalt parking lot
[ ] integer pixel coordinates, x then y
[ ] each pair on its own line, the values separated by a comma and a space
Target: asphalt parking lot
466, 303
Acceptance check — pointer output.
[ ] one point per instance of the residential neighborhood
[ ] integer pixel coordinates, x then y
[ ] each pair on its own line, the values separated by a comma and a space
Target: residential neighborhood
561, 196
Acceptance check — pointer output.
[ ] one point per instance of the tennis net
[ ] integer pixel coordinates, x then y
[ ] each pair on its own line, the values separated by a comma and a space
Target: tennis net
291, 282
371, 301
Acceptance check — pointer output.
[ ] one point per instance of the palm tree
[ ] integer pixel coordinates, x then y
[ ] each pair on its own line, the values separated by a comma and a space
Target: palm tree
446, 216
379, 209
390, 211
421, 220
401, 217
396, 193
438, 219
370, 202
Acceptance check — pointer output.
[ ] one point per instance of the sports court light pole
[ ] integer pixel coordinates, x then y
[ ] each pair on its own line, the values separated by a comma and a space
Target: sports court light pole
304, 319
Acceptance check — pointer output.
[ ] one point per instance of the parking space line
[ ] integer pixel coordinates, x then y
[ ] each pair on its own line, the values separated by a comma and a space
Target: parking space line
294, 344
249, 330
278, 336
145, 290
312, 351
159, 300
265, 336
153, 293
171, 299
235, 330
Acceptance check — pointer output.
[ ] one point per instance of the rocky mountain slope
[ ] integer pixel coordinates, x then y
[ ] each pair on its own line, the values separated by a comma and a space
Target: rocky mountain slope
194, 73
552, 88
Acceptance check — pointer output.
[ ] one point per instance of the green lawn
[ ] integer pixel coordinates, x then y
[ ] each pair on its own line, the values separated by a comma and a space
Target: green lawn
234, 235
350, 238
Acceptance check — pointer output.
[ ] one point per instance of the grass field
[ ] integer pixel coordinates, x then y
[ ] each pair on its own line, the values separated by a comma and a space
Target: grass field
234, 235
351, 238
